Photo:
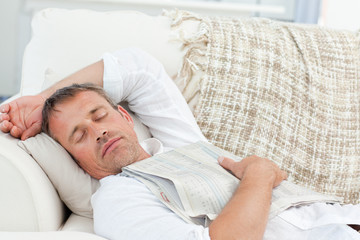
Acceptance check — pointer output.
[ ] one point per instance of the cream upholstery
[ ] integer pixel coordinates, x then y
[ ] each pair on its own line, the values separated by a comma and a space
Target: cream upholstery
67, 40
29, 202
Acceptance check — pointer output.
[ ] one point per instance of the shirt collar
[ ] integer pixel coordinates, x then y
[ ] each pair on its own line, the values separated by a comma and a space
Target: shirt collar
152, 146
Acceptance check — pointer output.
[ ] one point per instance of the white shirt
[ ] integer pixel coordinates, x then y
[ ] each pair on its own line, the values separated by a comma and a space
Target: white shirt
136, 77
124, 208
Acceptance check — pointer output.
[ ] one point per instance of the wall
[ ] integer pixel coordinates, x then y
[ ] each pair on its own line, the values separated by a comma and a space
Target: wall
9, 23
342, 14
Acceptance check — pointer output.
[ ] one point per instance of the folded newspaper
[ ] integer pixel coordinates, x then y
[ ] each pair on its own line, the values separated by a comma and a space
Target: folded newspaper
190, 181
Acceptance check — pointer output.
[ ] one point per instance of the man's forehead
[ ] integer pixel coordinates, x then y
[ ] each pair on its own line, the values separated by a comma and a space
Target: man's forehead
68, 113
88, 99
90, 95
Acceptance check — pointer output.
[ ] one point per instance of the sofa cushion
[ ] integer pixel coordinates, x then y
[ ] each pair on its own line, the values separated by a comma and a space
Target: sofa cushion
79, 224
287, 92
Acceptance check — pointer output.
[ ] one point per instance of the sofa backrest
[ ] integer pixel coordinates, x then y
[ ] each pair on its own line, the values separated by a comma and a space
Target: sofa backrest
68, 40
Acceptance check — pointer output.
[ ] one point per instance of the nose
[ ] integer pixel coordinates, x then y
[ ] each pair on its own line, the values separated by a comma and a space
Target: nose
101, 134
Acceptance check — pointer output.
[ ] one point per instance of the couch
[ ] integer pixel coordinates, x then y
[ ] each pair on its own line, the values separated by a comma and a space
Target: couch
284, 91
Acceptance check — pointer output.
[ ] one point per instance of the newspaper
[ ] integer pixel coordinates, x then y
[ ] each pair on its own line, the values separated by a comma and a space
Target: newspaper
190, 181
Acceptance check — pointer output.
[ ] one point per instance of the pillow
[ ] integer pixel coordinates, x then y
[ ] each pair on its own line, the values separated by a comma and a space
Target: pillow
74, 185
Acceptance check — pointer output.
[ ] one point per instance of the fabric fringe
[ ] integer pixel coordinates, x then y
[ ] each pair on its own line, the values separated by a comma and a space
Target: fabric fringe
179, 16
195, 58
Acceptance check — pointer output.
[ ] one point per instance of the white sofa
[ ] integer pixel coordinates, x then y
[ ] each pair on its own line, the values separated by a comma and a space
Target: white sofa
64, 41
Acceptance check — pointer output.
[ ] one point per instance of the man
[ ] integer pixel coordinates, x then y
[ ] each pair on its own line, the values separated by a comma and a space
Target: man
100, 137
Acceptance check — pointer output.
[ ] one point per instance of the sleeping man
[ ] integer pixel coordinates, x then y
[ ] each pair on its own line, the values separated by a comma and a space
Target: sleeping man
100, 137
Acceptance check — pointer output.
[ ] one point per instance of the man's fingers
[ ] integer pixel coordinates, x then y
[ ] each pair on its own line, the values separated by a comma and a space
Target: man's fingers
31, 131
5, 126
281, 176
15, 132
4, 108
4, 117
226, 163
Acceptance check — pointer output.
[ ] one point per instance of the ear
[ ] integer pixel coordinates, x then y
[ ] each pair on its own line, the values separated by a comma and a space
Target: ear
126, 115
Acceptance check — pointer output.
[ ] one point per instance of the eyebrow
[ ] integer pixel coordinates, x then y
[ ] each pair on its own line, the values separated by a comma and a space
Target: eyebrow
77, 126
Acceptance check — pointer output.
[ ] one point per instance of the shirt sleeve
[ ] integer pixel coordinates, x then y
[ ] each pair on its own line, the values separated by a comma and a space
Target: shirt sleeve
126, 209
134, 76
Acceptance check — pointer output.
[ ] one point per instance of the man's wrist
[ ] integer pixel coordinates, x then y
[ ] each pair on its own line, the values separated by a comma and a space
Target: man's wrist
259, 175
46, 94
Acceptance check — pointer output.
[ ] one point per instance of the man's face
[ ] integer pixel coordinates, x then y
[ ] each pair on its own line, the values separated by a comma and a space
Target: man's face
99, 137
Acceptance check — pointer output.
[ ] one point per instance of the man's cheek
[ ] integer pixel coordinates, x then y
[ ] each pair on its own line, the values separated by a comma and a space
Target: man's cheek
85, 160
83, 152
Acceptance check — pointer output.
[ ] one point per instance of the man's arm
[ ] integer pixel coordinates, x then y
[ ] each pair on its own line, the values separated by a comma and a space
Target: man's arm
134, 76
245, 215
22, 117
90, 74
127, 75
146, 217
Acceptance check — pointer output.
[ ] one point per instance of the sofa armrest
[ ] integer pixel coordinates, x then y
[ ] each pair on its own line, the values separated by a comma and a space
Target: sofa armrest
28, 200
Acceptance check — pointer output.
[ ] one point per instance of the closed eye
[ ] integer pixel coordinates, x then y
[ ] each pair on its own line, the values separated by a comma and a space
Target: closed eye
80, 136
100, 116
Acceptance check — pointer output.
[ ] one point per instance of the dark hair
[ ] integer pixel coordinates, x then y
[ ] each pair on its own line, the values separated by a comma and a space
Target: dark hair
64, 94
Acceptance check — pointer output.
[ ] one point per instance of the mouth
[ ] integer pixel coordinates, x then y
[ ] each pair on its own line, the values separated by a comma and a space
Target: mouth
110, 145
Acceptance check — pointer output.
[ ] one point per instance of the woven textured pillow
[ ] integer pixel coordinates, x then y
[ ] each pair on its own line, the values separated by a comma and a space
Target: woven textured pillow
287, 92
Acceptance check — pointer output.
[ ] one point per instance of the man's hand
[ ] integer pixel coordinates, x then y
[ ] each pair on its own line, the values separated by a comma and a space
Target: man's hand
245, 215
254, 167
22, 117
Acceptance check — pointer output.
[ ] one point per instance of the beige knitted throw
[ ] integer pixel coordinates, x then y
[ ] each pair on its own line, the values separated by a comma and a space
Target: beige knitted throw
287, 92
